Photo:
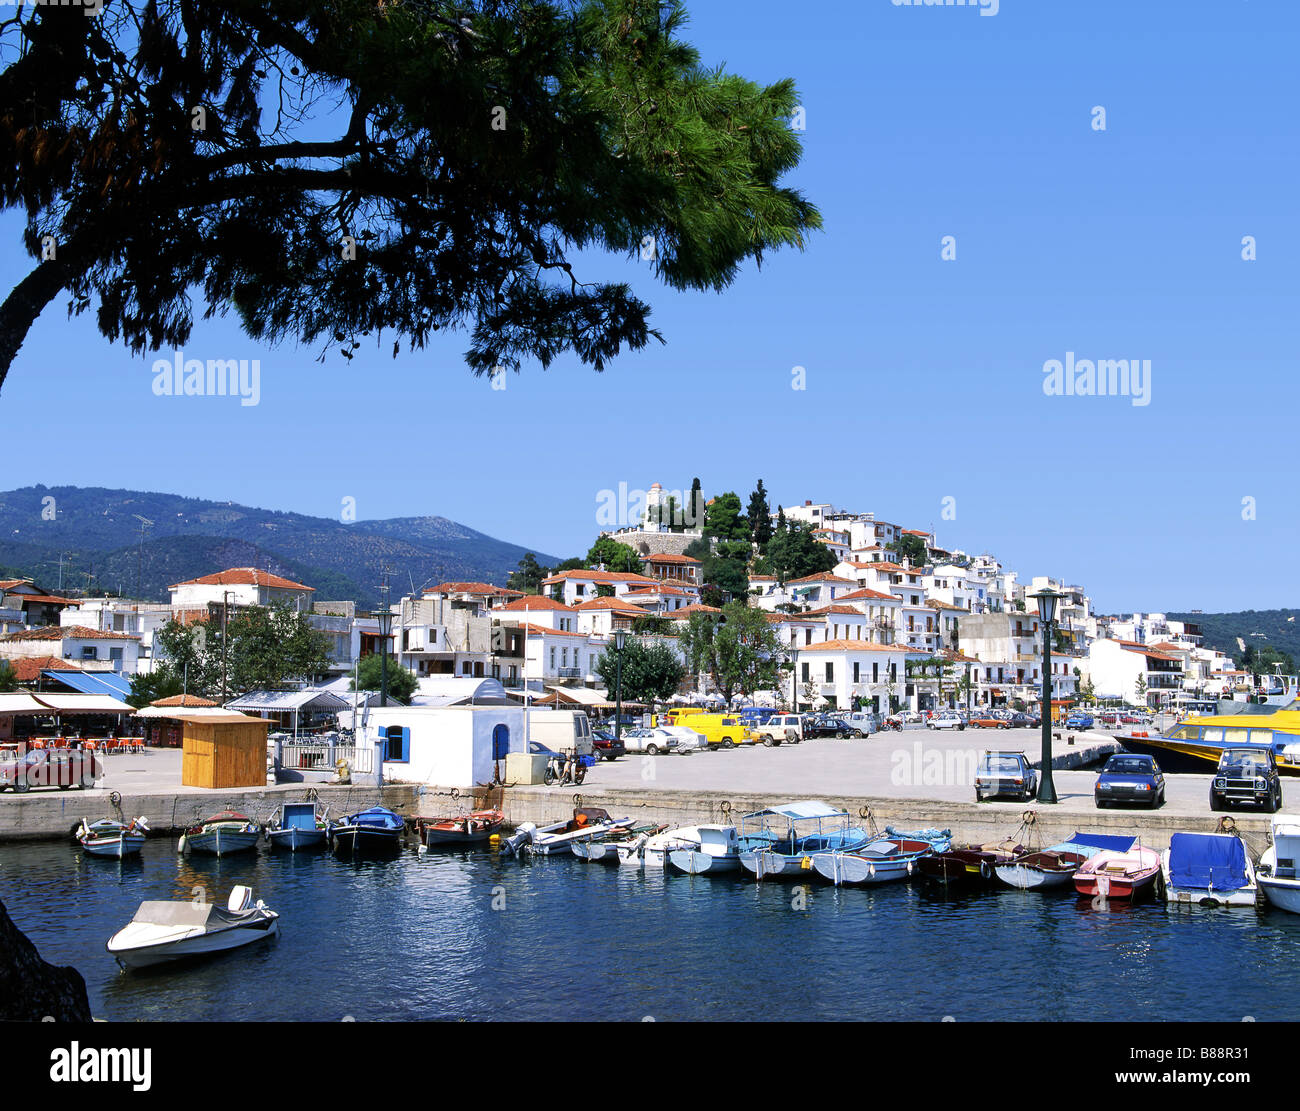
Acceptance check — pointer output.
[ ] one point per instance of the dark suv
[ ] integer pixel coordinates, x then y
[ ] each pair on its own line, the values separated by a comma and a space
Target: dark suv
1247, 775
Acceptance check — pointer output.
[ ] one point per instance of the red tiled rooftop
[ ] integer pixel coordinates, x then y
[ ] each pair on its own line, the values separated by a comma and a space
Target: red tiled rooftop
244, 576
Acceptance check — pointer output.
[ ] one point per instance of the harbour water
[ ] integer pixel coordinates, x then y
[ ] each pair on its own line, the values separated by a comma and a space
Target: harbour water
468, 936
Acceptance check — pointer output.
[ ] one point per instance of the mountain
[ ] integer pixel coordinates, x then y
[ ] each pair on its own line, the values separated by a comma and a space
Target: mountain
99, 534
1280, 629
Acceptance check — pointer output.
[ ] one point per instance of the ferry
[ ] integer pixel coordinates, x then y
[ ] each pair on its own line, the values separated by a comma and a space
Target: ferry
1196, 743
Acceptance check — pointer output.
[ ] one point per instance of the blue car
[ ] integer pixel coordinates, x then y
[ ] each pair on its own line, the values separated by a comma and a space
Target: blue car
1127, 777
1079, 720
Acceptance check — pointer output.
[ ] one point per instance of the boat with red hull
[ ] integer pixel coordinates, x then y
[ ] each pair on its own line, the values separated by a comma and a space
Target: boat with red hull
473, 828
1119, 874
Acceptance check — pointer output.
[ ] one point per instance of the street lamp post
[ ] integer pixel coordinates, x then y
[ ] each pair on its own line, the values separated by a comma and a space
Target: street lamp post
794, 671
1047, 600
620, 638
385, 618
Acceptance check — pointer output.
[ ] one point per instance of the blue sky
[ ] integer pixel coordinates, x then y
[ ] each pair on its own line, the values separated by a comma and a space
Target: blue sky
924, 377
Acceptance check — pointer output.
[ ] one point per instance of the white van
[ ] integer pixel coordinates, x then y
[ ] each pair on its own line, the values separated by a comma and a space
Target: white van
560, 730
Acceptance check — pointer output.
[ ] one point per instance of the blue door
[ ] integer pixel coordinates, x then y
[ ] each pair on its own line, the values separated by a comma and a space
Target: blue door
500, 742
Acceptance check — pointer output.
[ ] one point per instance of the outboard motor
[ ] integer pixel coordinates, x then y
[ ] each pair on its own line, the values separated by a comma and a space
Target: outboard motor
241, 898
511, 845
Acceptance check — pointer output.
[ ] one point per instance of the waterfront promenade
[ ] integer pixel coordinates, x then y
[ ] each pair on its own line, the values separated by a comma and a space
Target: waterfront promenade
911, 778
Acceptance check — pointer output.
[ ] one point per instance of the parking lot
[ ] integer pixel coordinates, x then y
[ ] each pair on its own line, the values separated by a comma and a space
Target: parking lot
914, 763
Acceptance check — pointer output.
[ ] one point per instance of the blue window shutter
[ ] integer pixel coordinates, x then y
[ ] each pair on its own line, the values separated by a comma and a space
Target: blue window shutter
500, 742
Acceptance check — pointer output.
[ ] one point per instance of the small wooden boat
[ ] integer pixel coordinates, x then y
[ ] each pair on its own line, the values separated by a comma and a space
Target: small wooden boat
973, 866
222, 834
1113, 874
373, 832
108, 837
167, 931
884, 861
473, 828
1208, 869
1040, 871
298, 827
1277, 876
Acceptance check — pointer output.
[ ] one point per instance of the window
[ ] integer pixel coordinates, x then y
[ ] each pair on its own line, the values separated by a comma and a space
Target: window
115, 654
830, 672
552, 657
807, 676
88, 652
855, 671
397, 743
465, 668
875, 672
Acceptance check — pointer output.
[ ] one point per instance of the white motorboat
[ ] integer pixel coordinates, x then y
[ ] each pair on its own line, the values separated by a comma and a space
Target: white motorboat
164, 931
1210, 869
654, 853
718, 851
589, 823
1276, 875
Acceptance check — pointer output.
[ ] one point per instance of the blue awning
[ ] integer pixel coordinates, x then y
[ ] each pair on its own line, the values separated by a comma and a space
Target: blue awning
89, 682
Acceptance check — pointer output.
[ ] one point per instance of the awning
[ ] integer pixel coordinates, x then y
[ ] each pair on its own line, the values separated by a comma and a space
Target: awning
21, 704
279, 702
187, 713
92, 682
799, 811
84, 704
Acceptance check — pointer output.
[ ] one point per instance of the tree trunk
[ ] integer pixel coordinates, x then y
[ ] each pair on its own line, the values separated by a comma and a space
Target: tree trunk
24, 304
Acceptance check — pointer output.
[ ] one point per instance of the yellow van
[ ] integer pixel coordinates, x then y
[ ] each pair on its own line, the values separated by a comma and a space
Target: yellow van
721, 730
675, 717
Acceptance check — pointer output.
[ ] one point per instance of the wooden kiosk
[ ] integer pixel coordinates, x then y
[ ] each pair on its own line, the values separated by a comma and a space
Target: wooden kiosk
223, 750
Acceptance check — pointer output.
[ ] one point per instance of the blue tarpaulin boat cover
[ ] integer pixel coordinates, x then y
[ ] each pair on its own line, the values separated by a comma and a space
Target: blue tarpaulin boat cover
1089, 844
1207, 860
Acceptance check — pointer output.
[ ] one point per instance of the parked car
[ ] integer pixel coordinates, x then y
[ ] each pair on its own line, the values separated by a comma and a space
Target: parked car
948, 719
1079, 720
1246, 775
990, 722
862, 723
689, 740
1128, 777
1005, 774
827, 726
650, 741
606, 745
1021, 720
780, 729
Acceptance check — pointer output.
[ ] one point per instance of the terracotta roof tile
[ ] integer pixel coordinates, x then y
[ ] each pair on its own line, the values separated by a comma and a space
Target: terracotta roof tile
244, 576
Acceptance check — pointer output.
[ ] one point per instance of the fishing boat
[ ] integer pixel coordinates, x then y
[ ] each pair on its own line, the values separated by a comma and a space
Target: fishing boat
619, 851
1196, 743
971, 866
558, 838
1210, 869
788, 852
373, 832
296, 827
1115, 874
164, 931
474, 828
884, 861
1040, 871
222, 834
589, 823
109, 837
1276, 875
1055, 866
718, 852
654, 853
